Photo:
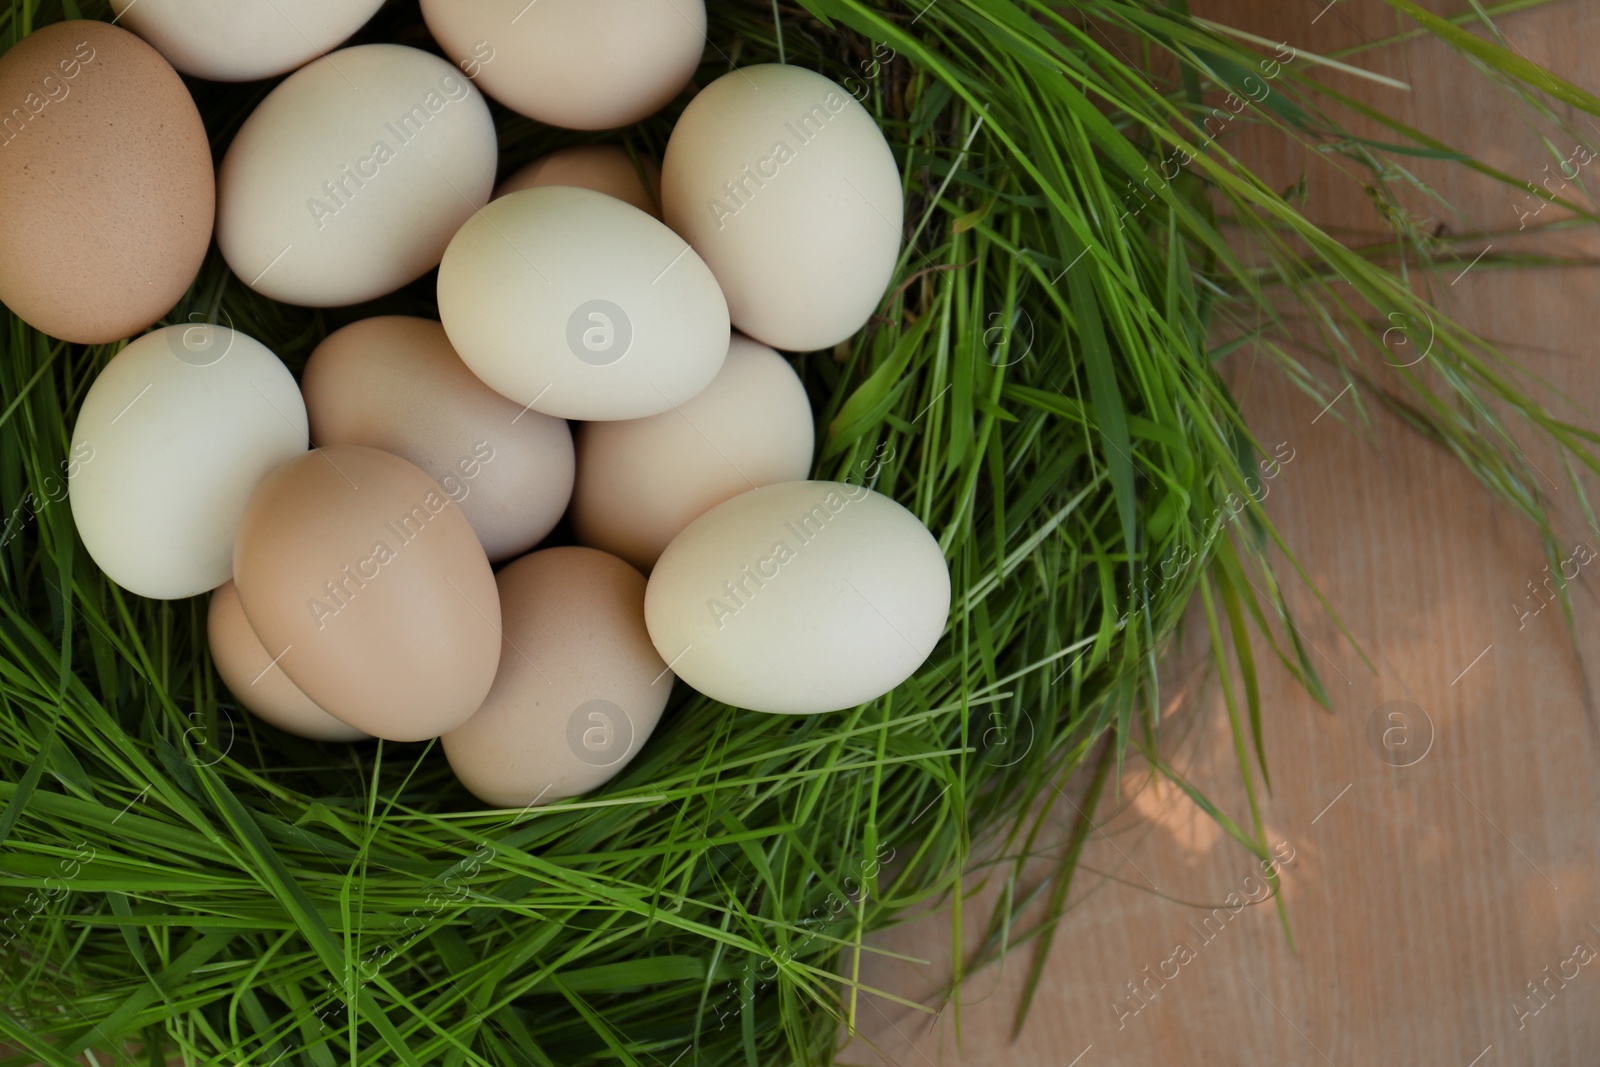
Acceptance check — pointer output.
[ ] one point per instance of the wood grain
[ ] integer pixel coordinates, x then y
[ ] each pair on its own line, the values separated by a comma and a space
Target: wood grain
1423, 899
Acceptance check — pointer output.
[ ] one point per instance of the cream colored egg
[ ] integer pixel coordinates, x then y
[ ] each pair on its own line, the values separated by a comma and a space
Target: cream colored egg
641, 481
798, 598
579, 688
582, 64
350, 178
172, 438
577, 305
786, 187
395, 383
254, 678
370, 587
243, 40
605, 168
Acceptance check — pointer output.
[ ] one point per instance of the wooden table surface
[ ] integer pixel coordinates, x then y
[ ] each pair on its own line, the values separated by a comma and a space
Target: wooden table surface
1424, 898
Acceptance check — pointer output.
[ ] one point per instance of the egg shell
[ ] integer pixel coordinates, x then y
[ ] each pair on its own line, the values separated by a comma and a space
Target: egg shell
581, 64
799, 598
580, 687
575, 304
349, 179
173, 436
394, 383
605, 168
105, 174
786, 187
641, 481
370, 580
229, 41
256, 681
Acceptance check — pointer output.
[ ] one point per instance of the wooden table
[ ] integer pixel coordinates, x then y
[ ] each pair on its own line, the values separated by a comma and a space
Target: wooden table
1424, 898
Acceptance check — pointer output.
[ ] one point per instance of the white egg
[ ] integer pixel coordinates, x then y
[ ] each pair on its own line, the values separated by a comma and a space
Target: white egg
582, 64
641, 481
255, 678
242, 40
172, 437
578, 305
786, 187
349, 179
799, 598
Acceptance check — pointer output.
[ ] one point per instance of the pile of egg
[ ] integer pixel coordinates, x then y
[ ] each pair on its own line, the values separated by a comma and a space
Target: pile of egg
369, 535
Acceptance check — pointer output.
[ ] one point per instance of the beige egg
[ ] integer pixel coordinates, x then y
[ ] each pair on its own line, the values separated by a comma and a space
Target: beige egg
799, 598
105, 174
368, 583
349, 178
581, 64
175, 433
579, 690
605, 168
255, 679
230, 41
641, 481
578, 305
785, 186
395, 383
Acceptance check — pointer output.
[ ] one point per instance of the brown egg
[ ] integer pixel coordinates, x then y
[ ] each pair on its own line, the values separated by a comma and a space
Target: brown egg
368, 582
580, 686
395, 383
255, 679
641, 481
605, 168
106, 178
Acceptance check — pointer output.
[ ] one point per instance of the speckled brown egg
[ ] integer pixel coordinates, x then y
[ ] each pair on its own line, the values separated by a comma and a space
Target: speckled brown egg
106, 178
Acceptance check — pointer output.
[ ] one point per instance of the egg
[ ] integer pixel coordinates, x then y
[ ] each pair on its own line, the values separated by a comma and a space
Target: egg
349, 179
105, 174
173, 436
579, 690
605, 168
370, 586
786, 187
255, 679
573, 303
230, 41
641, 481
581, 64
395, 383
799, 598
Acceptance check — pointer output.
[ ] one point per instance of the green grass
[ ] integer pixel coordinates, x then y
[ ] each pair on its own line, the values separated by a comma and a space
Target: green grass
1041, 388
